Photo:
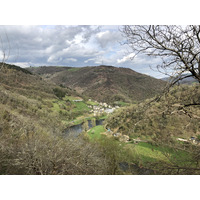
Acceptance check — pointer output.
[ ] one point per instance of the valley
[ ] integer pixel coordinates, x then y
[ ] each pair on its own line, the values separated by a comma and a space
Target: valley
41, 115
104, 83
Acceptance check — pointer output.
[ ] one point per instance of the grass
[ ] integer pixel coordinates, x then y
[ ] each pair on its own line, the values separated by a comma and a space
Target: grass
121, 103
78, 111
74, 69
92, 103
95, 132
151, 153
103, 117
147, 152
56, 107
144, 153
80, 107
71, 98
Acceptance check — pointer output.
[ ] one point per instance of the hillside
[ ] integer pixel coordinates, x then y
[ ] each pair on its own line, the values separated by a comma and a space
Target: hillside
171, 123
28, 98
33, 117
104, 83
188, 81
175, 114
139, 139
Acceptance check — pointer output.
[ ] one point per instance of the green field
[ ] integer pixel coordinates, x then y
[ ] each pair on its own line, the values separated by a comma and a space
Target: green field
95, 132
80, 107
145, 154
74, 69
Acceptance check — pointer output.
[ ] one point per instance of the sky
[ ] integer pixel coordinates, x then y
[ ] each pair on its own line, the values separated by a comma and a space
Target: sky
70, 45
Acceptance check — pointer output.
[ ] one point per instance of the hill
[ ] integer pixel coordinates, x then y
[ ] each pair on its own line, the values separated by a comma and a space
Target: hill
171, 123
139, 139
188, 81
28, 97
104, 83
175, 114
33, 116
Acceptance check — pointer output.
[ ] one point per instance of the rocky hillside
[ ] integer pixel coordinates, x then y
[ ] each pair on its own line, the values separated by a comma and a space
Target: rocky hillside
104, 83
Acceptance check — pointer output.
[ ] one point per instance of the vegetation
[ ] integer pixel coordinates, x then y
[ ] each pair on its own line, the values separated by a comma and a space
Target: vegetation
95, 132
35, 113
106, 83
31, 131
59, 92
175, 115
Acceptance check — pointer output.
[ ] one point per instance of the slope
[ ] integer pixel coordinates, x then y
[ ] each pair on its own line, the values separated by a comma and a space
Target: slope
177, 114
31, 129
107, 83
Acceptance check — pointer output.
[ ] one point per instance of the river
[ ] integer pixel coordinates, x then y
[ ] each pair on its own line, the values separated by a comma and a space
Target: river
76, 130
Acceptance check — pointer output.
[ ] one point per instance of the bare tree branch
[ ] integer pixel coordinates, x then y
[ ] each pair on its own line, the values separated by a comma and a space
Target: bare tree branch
178, 47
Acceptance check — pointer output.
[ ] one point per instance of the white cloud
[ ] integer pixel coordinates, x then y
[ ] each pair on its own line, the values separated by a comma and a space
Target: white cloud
70, 60
68, 45
21, 64
88, 60
125, 58
49, 49
106, 38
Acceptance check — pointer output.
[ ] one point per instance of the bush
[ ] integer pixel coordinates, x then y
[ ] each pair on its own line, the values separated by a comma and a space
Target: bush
60, 93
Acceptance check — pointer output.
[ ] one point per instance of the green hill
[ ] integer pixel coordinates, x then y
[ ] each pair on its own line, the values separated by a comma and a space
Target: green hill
170, 124
176, 114
35, 112
105, 83
33, 116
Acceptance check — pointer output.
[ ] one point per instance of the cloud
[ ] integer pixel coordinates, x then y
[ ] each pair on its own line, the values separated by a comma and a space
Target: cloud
68, 45
70, 60
108, 37
22, 64
125, 58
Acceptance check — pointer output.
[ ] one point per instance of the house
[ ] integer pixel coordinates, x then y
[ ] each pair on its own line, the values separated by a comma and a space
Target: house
77, 100
105, 104
181, 139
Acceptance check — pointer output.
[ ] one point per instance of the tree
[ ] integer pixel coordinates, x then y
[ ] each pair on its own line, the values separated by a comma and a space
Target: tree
178, 48
4, 50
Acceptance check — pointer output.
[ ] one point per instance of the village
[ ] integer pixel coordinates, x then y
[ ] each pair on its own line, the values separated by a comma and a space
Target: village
101, 108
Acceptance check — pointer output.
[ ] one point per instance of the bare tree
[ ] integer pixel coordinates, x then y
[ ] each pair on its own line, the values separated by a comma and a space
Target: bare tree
178, 48
4, 50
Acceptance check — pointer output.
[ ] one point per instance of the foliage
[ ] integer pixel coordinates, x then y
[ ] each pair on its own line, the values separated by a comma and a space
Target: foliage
175, 115
107, 83
31, 131
59, 92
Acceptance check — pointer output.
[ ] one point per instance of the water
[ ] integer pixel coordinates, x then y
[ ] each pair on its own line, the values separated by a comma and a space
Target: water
99, 122
135, 169
76, 130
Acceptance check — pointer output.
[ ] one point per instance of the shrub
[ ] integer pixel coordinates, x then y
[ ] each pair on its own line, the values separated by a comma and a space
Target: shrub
59, 92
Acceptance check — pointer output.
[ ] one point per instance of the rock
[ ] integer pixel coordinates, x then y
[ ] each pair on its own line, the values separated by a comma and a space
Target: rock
117, 134
124, 138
